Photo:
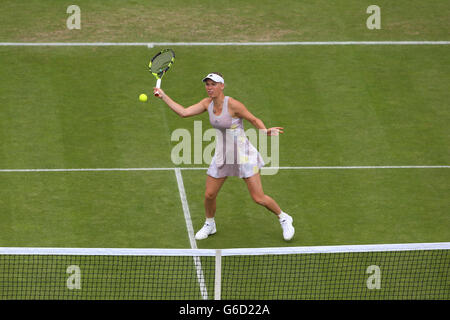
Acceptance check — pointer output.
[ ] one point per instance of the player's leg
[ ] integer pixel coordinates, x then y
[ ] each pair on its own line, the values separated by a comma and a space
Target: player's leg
255, 188
213, 186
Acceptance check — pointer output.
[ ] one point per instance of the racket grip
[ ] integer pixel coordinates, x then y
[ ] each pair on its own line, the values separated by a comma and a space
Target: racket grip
158, 85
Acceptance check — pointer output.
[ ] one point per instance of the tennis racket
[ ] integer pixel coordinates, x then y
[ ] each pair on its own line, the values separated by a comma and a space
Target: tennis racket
160, 63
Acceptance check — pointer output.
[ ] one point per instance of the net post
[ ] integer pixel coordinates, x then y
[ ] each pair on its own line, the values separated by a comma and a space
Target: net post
218, 275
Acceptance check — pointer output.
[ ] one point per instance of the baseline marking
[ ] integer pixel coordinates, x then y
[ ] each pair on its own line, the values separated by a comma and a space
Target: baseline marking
205, 168
274, 43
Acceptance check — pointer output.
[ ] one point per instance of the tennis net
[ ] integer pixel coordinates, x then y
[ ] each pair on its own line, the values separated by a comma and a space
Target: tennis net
396, 271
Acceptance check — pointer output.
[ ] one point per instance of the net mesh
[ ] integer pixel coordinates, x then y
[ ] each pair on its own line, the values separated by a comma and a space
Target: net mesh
410, 274
361, 275
98, 277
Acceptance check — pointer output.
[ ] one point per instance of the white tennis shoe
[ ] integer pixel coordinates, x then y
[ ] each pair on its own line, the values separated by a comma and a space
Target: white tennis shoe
207, 229
286, 224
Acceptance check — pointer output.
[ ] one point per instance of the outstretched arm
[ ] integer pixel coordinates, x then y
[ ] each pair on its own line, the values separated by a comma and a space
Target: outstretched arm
178, 108
239, 110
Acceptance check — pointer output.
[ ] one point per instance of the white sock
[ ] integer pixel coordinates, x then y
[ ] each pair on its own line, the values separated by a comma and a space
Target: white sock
282, 215
210, 220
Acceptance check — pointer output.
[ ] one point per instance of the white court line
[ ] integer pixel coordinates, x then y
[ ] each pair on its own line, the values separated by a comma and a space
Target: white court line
187, 214
205, 168
190, 229
360, 167
298, 43
275, 43
85, 169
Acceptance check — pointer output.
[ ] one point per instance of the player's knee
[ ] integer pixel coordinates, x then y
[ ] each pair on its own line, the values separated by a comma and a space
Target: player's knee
210, 195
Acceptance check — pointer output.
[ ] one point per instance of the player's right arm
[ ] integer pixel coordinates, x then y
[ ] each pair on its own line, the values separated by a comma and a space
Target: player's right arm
183, 112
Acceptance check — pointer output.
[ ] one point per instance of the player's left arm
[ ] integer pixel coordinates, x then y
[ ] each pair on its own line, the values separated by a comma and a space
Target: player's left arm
238, 109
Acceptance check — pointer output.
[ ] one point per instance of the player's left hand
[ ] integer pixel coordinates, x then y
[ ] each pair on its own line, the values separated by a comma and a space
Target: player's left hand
274, 131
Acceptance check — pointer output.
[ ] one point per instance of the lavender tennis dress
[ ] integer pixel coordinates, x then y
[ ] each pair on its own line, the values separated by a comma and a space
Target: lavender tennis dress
234, 154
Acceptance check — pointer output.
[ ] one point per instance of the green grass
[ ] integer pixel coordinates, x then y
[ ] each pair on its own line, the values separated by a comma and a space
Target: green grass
330, 208
355, 105
366, 106
77, 107
233, 20
102, 209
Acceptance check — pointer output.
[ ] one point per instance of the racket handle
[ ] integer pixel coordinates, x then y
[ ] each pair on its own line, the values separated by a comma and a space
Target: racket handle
158, 85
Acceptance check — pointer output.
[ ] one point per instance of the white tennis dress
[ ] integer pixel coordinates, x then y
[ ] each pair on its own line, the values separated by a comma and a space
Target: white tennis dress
234, 154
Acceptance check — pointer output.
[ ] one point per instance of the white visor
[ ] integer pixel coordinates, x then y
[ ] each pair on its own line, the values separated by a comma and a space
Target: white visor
214, 77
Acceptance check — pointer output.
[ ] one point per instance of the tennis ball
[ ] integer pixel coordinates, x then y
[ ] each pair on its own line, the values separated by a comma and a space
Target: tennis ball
143, 97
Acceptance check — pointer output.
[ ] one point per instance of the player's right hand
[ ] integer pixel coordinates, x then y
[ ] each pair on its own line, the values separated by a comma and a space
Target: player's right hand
158, 92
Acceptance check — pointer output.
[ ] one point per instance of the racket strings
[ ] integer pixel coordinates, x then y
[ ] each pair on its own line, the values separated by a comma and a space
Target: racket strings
161, 62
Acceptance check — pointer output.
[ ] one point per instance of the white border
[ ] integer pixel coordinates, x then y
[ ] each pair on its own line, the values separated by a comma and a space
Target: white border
205, 168
104, 251
224, 252
171, 44
338, 249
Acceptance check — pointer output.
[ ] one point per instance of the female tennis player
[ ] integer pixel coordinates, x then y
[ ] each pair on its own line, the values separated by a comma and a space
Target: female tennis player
234, 154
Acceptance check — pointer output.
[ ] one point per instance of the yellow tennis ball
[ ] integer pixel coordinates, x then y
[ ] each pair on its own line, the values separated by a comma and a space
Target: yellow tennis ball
143, 97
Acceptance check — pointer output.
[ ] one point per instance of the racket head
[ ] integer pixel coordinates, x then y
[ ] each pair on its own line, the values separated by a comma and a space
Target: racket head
161, 62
